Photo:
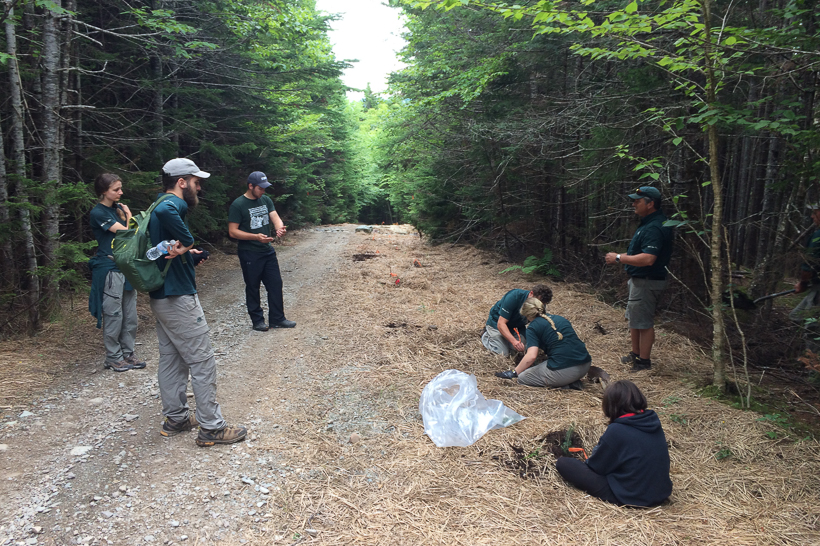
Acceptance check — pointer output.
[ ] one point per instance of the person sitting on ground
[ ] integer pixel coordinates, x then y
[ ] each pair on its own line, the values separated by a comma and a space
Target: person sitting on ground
504, 330
567, 359
630, 464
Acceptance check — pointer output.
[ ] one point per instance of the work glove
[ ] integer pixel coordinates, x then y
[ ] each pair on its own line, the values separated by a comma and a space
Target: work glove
509, 374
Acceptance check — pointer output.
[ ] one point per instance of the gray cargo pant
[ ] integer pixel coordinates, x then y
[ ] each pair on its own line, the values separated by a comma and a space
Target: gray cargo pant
184, 346
495, 342
119, 307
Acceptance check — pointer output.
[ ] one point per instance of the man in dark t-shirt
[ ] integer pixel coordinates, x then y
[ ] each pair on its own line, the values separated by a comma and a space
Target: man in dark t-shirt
645, 262
249, 220
505, 329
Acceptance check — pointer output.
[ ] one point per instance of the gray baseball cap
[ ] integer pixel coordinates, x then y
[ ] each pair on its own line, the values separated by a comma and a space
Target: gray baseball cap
181, 167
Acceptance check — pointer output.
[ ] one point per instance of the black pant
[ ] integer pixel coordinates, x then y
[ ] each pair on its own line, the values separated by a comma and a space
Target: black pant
581, 476
262, 267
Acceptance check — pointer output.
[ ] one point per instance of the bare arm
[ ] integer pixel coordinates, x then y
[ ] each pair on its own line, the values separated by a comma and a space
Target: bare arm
527, 361
236, 233
638, 260
505, 331
278, 224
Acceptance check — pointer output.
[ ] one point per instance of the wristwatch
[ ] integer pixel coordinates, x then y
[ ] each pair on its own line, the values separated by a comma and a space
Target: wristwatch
618, 258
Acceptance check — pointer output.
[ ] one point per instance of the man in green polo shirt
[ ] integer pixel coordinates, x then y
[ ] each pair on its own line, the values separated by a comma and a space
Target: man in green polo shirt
809, 280
645, 262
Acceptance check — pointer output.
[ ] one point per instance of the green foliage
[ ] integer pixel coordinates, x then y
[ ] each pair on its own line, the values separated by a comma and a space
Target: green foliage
534, 264
567, 443
724, 453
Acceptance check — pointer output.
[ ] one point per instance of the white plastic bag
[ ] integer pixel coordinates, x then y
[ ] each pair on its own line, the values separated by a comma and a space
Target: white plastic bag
456, 414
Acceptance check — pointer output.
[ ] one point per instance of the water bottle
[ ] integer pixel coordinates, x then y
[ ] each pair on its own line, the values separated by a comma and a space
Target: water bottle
159, 250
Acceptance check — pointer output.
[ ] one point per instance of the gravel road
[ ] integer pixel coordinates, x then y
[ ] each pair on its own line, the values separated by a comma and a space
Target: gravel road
85, 463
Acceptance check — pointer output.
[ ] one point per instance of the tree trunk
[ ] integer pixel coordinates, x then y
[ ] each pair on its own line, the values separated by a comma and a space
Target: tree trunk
50, 131
718, 326
6, 260
18, 156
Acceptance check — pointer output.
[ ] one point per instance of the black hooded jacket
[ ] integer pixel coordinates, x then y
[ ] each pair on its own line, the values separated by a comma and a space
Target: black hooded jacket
633, 456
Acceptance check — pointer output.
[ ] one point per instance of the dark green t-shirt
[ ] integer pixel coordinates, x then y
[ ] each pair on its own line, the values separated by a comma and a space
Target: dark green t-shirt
509, 307
561, 353
813, 256
168, 223
253, 216
101, 219
651, 237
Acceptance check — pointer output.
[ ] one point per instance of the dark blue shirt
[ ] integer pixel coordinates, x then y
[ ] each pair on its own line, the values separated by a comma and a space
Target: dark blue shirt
651, 237
168, 223
633, 456
561, 353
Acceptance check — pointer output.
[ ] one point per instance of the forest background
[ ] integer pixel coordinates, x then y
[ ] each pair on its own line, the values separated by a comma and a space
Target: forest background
515, 127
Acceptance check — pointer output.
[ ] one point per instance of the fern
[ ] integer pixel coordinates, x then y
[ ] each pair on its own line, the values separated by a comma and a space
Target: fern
534, 264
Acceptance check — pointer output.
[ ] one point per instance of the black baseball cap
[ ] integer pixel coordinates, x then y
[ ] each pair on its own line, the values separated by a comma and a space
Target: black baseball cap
258, 178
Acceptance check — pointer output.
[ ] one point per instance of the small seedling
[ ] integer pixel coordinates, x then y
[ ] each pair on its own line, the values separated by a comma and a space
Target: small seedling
680, 419
723, 454
669, 400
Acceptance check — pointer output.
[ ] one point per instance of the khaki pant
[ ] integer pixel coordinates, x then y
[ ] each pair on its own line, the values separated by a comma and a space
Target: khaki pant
643, 299
119, 307
184, 347
541, 376
495, 342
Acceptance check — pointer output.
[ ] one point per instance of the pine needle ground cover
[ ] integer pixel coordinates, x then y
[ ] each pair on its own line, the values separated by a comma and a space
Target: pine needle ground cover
393, 326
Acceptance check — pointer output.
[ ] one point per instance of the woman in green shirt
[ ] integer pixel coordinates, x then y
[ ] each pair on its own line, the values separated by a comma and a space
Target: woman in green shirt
567, 359
112, 300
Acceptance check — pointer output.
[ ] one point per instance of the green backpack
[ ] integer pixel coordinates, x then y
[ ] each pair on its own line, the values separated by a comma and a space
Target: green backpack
130, 246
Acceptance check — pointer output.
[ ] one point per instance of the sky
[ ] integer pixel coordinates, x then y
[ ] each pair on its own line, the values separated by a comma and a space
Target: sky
370, 32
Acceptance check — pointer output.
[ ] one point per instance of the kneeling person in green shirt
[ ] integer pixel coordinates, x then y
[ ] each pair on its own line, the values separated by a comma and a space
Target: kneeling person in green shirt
504, 330
567, 359
249, 221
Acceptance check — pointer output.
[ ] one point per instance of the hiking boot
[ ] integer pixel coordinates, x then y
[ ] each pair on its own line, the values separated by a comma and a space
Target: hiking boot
228, 435
172, 428
576, 385
119, 366
641, 364
631, 358
283, 324
135, 362
260, 327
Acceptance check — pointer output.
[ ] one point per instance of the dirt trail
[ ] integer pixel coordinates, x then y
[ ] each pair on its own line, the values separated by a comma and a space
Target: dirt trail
336, 451
132, 486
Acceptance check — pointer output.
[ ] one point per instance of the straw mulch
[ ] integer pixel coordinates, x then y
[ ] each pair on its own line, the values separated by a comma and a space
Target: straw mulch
733, 482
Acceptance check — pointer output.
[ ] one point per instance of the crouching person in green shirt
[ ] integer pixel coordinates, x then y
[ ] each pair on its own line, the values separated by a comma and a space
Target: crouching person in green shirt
504, 331
567, 359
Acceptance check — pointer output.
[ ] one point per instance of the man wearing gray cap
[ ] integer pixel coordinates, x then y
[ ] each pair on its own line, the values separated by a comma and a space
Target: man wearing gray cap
249, 221
182, 331
645, 262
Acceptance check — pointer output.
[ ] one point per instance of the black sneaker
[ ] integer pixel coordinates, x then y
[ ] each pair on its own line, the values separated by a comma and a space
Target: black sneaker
135, 362
631, 358
641, 364
260, 327
228, 435
283, 324
172, 428
120, 366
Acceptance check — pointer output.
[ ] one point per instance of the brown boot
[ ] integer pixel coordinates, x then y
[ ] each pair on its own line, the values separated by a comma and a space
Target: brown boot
119, 366
172, 428
228, 435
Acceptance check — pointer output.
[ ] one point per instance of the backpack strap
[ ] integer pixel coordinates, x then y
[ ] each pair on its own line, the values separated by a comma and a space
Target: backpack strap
154, 205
